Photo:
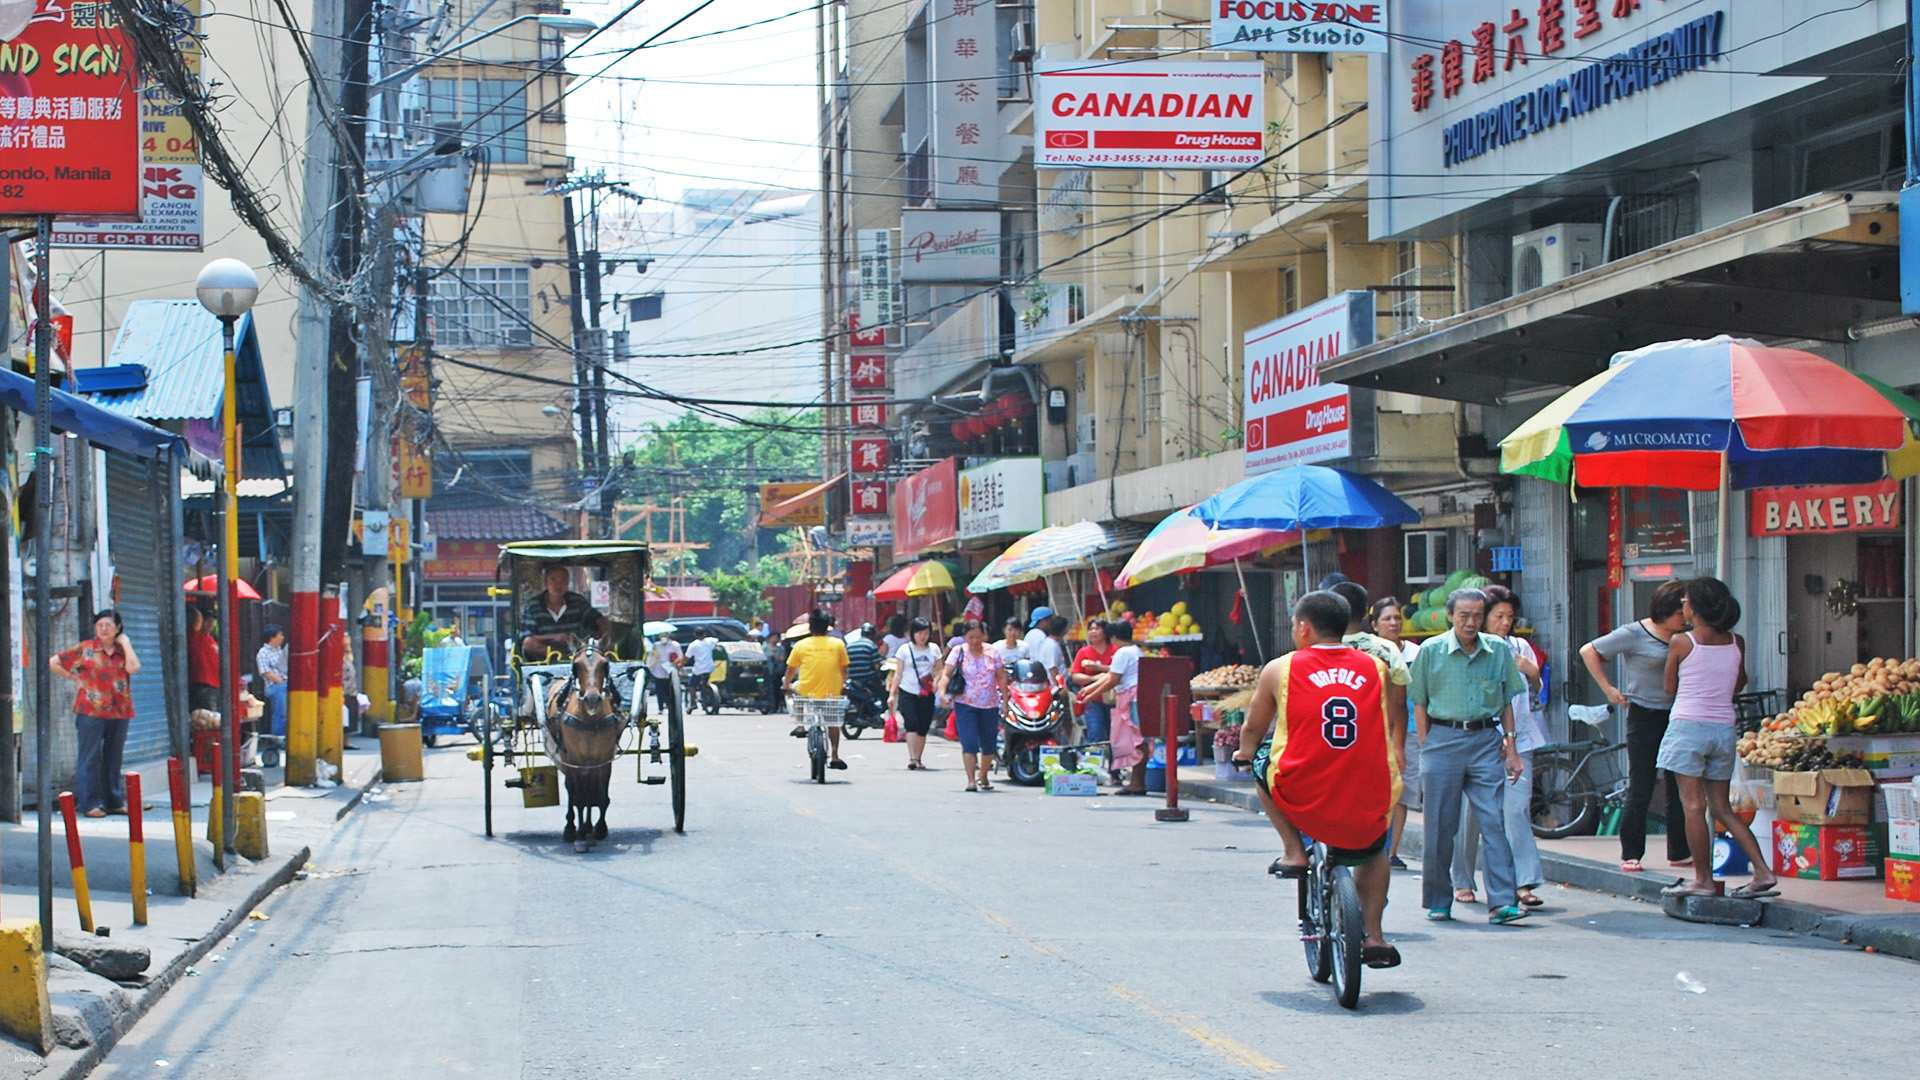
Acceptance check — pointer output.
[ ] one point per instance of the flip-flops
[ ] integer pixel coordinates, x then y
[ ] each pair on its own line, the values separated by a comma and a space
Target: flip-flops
1380, 956
1283, 870
1755, 891
1632, 866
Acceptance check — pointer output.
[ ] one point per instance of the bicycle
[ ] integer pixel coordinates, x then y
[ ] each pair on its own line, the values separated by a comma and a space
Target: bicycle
817, 715
1566, 798
1332, 927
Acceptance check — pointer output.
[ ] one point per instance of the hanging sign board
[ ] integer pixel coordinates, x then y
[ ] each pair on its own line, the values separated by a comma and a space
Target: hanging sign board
1149, 115
1291, 417
69, 115
949, 245
1281, 26
1832, 508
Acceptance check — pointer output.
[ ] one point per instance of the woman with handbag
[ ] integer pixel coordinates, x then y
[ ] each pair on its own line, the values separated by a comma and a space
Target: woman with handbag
910, 691
972, 678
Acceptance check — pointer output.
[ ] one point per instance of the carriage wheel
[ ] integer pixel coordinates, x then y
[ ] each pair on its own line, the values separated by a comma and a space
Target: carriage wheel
677, 760
486, 767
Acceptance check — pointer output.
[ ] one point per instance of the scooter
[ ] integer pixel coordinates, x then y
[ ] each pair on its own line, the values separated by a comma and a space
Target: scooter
1035, 714
866, 706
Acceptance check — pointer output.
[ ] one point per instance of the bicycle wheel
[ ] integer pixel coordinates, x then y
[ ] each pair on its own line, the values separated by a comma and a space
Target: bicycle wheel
1313, 924
486, 769
1562, 802
817, 751
677, 767
1346, 937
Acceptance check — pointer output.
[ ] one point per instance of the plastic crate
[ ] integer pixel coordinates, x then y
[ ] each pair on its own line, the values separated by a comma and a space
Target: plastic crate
1903, 800
1507, 559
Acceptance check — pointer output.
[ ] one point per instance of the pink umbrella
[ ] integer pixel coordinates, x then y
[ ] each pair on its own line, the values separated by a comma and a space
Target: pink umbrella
210, 586
1182, 544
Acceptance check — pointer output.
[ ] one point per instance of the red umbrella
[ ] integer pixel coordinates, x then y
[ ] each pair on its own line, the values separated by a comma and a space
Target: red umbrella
210, 586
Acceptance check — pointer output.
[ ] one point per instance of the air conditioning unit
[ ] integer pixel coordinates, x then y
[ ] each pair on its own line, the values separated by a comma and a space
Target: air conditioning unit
1544, 256
1021, 49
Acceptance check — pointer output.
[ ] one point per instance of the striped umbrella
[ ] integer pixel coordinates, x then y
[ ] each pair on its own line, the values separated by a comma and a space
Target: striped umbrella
1053, 550
1182, 544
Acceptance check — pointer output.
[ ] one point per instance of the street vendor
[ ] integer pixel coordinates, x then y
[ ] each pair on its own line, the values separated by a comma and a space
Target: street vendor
557, 617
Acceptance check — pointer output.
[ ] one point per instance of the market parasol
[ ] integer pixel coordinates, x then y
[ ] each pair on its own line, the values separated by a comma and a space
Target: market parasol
1717, 415
1182, 544
1053, 550
655, 629
1305, 497
209, 585
917, 579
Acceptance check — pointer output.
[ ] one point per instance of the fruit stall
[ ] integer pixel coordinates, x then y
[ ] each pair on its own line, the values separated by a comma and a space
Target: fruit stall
1830, 781
1220, 700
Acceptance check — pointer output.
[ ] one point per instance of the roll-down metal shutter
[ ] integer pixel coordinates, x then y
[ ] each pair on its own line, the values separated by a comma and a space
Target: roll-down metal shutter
133, 535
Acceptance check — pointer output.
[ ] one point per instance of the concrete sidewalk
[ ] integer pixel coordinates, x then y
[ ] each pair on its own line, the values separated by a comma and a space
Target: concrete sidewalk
92, 1012
1896, 933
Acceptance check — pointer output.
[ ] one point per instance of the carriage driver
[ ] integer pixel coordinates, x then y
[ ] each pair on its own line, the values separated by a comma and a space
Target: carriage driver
553, 619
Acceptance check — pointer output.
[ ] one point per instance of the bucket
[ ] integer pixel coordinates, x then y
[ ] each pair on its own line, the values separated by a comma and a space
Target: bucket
1156, 779
539, 786
400, 753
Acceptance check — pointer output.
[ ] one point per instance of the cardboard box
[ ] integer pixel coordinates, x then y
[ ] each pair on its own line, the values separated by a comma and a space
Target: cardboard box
1903, 839
1091, 760
1903, 880
1827, 797
1067, 783
1824, 852
1888, 757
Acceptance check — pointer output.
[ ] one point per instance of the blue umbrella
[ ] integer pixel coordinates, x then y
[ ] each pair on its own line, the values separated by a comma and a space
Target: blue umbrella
1305, 497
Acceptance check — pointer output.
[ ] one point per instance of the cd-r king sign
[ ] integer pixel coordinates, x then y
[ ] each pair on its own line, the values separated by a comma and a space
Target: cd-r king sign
69, 113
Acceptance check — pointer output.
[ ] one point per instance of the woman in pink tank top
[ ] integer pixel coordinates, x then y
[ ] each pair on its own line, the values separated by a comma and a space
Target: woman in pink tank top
1706, 667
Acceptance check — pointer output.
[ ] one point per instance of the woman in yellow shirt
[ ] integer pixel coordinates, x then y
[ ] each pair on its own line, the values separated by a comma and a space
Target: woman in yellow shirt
817, 668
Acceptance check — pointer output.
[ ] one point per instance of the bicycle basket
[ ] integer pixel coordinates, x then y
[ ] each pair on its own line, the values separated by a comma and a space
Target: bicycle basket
1594, 716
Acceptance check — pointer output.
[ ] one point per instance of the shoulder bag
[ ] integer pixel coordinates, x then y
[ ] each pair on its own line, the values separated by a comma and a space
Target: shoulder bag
957, 681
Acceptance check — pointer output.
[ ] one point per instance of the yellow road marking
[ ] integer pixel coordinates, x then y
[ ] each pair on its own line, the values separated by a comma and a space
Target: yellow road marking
1232, 1049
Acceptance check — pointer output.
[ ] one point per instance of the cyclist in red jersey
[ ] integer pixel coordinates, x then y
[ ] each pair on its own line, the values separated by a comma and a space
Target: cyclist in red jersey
1331, 769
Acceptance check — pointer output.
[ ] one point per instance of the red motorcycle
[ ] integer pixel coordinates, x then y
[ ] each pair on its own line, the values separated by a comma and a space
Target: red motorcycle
1035, 714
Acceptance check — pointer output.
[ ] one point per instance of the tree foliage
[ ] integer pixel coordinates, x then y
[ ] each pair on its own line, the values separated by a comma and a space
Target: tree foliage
716, 469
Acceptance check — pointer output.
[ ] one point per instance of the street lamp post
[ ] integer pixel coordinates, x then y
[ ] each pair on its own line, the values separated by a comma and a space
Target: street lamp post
227, 288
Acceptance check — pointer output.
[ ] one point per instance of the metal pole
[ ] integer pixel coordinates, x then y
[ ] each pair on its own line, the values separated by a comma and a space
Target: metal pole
1720, 532
1170, 746
42, 541
1246, 599
229, 574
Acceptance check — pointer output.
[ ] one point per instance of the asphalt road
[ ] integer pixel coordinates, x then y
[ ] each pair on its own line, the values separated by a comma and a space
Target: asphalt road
890, 925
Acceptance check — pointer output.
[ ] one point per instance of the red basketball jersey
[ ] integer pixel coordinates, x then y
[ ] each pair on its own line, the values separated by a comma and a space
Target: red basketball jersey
1331, 770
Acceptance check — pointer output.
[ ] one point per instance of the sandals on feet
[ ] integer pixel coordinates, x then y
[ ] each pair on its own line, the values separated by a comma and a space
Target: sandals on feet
1463, 896
1287, 870
1380, 956
1531, 901
1632, 866
971, 787
1753, 890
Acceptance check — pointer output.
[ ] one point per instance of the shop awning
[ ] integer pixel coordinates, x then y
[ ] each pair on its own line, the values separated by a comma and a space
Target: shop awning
1808, 270
781, 509
76, 415
168, 367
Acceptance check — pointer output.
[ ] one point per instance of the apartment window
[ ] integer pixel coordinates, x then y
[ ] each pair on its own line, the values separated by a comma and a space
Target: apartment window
1426, 556
1289, 290
487, 114
1868, 156
1150, 406
483, 306
490, 472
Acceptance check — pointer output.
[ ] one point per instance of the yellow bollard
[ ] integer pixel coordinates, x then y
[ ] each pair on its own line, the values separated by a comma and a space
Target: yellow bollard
25, 1012
400, 754
77, 859
182, 825
250, 824
137, 847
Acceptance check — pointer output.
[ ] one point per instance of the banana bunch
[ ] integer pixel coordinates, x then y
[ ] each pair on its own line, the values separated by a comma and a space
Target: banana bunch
1829, 717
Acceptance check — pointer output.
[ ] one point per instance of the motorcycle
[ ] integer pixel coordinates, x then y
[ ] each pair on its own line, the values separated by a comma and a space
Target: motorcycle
1035, 714
866, 705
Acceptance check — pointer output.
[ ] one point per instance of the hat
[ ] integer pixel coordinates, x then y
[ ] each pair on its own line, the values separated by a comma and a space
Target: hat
1039, 613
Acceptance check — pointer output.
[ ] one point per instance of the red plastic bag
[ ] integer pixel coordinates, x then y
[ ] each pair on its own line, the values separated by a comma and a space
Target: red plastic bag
891, 733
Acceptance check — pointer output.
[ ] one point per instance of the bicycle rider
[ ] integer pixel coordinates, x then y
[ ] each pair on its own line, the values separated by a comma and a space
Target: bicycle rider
817, 668
1331, 768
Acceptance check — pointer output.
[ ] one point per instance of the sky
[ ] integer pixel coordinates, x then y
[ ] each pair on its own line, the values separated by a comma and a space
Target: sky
734, 110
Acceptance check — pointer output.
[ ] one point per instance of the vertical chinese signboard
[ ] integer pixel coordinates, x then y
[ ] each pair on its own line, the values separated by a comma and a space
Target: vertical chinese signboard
412, 459
172, 183
879, 280
69, 116
964, 141
869, 377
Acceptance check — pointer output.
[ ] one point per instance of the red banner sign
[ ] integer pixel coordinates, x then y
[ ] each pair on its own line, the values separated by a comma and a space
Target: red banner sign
1835, 508
867, 372
69, 115
868, 456
869, 413
463, 560
926, 508
868, 498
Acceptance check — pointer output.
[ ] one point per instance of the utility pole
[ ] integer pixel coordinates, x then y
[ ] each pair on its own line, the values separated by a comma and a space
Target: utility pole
827, 321
575, 305
597, 360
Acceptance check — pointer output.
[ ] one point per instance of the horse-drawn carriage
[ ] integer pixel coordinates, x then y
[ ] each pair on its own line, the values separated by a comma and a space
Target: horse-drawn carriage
576, 656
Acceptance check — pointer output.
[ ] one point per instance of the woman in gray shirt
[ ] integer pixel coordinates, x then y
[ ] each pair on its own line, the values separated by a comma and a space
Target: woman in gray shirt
1641, 648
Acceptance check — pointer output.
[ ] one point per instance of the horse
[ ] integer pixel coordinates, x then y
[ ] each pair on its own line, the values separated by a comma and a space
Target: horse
583, 728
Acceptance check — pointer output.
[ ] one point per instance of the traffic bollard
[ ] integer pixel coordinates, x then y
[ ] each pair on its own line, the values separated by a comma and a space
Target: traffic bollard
78, 859
136, 848
215, 809
1170, 746
182, 823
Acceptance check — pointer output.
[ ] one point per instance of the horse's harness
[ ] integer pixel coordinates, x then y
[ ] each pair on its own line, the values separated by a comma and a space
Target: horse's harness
568, 688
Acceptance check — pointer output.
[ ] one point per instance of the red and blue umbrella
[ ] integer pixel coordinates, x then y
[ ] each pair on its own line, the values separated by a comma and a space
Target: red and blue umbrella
1680, 414
1305, 497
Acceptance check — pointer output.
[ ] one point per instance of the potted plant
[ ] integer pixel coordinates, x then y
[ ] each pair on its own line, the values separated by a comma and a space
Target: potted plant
1226, 740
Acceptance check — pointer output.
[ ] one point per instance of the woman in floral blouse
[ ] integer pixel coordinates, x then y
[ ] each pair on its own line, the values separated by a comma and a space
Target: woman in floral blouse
102, 668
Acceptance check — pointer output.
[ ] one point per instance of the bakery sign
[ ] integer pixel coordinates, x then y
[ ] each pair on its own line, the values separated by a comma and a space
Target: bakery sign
1833, 508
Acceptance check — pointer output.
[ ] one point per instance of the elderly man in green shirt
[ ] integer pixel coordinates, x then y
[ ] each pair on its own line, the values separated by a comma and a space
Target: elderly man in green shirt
1462, 687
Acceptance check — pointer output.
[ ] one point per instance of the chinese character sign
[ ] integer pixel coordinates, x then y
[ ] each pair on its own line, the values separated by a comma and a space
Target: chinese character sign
869, 456
412, 468
868, 498
964, 121
869, 413
70, 115
879, 279
867, 371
